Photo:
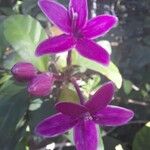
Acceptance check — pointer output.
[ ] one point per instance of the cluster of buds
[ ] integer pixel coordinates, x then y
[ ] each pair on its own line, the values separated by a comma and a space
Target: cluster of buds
38, 84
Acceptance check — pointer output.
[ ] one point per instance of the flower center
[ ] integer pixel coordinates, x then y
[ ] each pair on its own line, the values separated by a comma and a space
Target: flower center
74, 17
87, 116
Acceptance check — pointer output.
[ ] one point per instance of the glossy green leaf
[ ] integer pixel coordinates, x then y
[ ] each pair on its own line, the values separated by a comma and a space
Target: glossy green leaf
141, 141
111, 72
24, 33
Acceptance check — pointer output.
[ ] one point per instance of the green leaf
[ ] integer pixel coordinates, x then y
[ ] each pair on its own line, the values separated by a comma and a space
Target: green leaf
5, 78
110, 143
10, 60
10, 88
141, 140
24, 33
45, 110
3, 42
111, 72
127, 86
12, 109
68, 95
69, 136
91, 84
35, 104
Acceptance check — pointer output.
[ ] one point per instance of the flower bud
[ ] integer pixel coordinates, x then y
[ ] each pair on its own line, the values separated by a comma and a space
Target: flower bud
41, 85
23, 71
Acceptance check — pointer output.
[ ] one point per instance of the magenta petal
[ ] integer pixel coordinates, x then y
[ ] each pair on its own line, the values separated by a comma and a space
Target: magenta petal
55, 125
85, 135
71, 109
101, 98
99, 26
91, 50
113, 116
79, 9
55, 45
56, 13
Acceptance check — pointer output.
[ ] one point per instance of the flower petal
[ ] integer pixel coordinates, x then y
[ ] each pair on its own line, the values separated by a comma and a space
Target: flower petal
85, 135
55, 45
55, 125
101, 98
91, 50
56, 13
81, 9
99, 26
71, 109
113, 116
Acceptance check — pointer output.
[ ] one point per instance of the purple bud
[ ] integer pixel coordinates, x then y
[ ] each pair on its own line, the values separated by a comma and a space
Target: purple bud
41, 85
23, 71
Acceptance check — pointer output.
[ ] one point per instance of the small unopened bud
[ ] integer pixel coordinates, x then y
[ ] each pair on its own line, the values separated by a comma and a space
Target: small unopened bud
23, 71
41, 85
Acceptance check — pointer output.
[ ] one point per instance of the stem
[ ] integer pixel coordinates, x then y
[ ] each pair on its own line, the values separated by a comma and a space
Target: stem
69, 60
73, 80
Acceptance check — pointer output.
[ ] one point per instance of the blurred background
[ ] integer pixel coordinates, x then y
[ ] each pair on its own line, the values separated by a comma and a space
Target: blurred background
130, 42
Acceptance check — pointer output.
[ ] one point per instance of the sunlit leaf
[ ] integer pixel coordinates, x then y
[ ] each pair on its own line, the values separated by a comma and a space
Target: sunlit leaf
68, 95
111, 72
24, 33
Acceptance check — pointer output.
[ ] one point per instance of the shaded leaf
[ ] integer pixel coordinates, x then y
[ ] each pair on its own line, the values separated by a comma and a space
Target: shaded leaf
141, 141
45, 110
10, 88
12, 109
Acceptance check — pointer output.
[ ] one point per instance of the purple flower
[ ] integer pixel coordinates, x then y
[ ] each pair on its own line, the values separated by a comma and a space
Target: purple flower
79, 31
41, 85
23, 71
83, 118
